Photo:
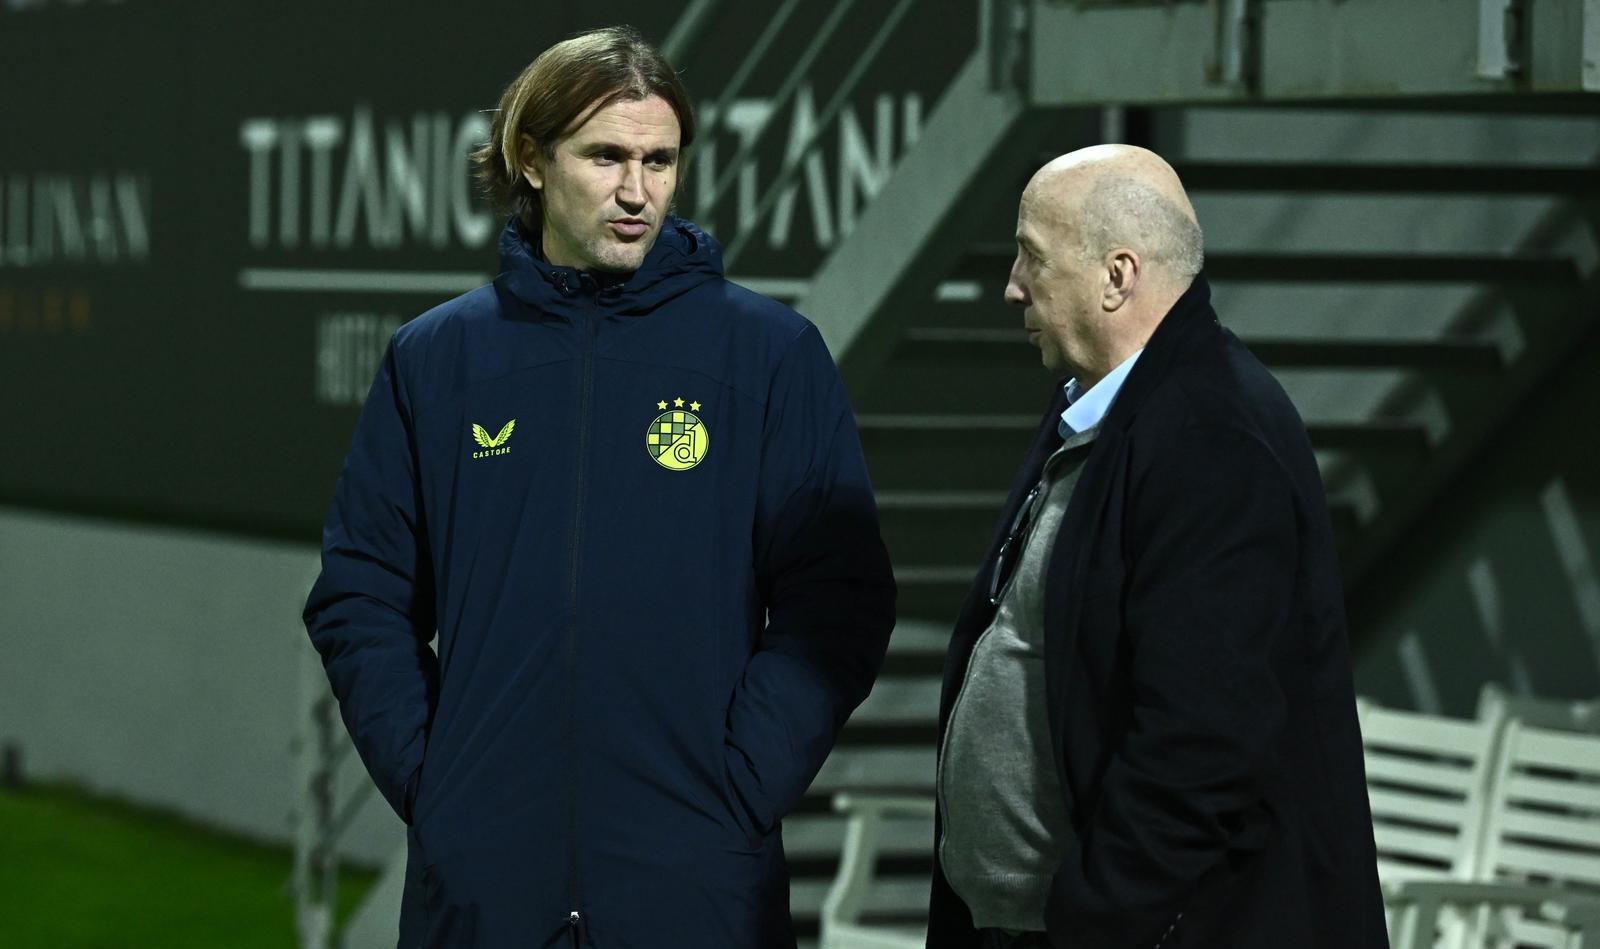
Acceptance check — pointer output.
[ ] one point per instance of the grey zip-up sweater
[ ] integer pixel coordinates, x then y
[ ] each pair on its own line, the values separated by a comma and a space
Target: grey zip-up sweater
1006, 815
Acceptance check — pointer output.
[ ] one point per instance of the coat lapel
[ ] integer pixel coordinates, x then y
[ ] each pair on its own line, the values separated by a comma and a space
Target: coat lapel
1078, 537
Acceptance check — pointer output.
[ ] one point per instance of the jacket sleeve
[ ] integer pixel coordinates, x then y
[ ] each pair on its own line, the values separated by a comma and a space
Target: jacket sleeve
1211, 540
371, 612
824, 578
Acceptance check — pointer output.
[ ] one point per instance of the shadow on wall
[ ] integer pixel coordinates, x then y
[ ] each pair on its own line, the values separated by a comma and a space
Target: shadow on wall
1501, 582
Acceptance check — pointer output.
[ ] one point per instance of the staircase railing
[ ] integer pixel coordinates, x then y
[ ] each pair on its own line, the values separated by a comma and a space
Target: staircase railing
829, 112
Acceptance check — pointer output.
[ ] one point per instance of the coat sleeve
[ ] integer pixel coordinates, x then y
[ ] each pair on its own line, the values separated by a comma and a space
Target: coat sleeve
371, 613
824, 578
1211, 539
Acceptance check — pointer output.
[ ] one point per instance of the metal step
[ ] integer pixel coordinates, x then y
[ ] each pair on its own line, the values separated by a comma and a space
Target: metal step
1392, 437
1019, 385
1409, 134
986, 434
900, 700
964, 345
1384, 178
888, 734
918, 665
941, 589
917, 646
1459, 355
989, 264
934, 591
954, 525
1335, 309
911, 456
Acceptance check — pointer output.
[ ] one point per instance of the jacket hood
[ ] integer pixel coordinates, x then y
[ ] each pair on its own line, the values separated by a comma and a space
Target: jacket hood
682, 258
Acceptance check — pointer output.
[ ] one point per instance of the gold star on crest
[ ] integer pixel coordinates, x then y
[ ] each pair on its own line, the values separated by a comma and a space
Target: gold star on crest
677, 403
694, 406
662, 404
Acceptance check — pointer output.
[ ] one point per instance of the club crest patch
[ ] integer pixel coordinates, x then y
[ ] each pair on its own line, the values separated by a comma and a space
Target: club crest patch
677, 439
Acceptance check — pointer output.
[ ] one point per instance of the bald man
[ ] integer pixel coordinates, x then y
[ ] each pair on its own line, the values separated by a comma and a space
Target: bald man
1147, 729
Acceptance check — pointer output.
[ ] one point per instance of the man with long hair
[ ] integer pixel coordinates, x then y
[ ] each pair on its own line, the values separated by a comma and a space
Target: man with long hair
629, 497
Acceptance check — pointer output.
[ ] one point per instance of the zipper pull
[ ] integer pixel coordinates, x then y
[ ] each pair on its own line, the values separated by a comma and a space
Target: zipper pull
573, 922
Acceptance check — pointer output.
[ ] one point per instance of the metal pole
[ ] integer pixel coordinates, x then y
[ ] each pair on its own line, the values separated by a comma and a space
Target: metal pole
311, 883
1232, 64
1006, 43
1499, 26
347, 814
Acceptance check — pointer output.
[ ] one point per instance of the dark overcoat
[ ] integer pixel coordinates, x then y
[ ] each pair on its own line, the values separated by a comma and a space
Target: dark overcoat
1201, 705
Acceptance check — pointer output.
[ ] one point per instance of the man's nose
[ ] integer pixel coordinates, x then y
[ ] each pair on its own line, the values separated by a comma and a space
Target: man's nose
630, 191
1015, 294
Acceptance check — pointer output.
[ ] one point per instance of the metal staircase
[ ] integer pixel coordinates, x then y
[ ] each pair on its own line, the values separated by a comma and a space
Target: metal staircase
1409, 294
1400, 345
1453, 338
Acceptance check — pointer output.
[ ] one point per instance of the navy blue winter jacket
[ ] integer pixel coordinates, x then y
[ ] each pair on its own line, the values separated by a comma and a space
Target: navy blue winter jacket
636, 513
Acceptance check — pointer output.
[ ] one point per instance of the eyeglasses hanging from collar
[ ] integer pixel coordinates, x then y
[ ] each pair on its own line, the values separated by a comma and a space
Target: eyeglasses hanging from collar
1006, 561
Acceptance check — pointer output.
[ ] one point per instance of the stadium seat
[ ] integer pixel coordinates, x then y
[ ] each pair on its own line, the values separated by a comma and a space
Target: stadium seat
842, 910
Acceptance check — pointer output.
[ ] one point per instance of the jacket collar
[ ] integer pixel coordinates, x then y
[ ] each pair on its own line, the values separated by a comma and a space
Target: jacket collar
682, 258
1190, 318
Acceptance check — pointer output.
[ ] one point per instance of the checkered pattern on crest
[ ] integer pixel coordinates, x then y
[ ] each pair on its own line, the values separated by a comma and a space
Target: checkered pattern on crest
668, 429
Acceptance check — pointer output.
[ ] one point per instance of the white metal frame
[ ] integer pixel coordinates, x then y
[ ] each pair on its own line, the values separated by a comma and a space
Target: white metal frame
1428, 786
847, 895
1515, 860
1543, 823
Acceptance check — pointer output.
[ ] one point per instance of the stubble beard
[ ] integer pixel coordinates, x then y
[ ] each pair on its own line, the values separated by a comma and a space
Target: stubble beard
621, 258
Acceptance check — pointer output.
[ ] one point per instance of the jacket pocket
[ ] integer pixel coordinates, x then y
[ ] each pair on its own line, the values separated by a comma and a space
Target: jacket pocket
448, 923
742, 795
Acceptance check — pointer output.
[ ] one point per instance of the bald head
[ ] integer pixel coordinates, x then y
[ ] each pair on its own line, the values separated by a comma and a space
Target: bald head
1111, 196
1106, 243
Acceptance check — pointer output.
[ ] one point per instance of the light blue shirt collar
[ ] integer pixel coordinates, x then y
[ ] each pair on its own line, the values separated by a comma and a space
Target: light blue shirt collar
1086, 409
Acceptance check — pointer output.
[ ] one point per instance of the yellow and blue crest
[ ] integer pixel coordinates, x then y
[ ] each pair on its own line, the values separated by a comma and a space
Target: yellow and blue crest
677, 439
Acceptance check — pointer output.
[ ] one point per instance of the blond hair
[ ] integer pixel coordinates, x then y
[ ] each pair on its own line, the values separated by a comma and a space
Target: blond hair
561, 87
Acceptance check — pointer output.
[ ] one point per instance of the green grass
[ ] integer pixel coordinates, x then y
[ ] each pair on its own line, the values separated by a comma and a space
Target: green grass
79, 872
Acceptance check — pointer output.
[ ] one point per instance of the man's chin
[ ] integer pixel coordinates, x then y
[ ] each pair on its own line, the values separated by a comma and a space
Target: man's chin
625, 258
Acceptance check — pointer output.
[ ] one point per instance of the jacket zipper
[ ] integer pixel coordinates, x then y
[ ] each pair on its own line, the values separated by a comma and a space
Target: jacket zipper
574, 917
944, 744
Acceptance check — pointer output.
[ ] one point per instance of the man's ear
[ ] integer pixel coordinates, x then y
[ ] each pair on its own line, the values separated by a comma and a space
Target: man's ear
532, 158
1123, 269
